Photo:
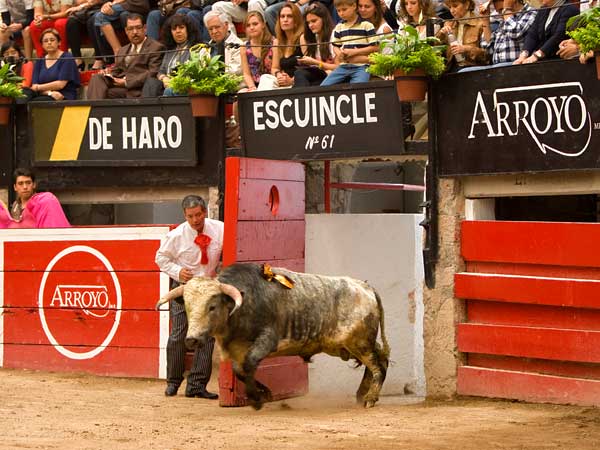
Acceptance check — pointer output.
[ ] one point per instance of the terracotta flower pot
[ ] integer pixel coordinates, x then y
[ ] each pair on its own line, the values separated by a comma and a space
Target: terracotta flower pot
411, 87
204, 105
5, 103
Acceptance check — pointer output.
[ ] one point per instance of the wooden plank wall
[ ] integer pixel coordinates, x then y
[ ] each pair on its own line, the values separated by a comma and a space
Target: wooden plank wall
44, 327
264, 222
532, 294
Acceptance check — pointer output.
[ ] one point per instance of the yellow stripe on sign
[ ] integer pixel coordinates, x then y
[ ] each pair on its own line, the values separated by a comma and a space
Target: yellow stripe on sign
70, 133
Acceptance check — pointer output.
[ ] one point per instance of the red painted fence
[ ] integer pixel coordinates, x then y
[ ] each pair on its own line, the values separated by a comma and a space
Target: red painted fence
533, 311
264, 222
82, 299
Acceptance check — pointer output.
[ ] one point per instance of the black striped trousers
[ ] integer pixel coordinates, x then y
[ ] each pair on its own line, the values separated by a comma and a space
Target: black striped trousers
202, 363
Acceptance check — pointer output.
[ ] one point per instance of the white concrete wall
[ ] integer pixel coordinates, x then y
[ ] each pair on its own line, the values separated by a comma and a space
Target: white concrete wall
385, 250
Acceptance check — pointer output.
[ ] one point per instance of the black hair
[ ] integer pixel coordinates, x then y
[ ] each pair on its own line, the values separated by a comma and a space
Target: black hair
175, 20
23, 172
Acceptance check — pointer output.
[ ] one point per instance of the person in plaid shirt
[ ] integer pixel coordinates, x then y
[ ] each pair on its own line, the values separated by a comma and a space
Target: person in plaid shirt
506, 43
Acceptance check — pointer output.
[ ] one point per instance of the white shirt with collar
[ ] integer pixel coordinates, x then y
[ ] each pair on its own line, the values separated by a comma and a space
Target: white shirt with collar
179, 251
233, 60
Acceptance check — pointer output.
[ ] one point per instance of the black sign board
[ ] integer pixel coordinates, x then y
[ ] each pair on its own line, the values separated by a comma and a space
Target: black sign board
157, 132
530, 118
349, 120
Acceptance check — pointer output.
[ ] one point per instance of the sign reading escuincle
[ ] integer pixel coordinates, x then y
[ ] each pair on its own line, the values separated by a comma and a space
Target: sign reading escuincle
322, 122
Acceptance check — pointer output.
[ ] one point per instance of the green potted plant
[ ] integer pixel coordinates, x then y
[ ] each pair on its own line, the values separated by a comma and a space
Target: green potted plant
585, 30
410, 59
10, 88
204, 78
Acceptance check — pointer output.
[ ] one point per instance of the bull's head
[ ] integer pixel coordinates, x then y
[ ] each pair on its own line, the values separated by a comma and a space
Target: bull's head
208, 303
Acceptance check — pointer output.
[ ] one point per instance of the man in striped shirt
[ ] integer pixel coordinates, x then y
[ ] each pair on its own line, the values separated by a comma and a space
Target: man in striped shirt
353, 40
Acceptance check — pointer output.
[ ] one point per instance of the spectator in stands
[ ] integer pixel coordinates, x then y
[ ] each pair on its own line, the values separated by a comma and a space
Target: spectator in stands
319, 58
166, 9
179, 34
55, 76
286, 49
371, 10
257, 57
49, 14
506, 43
273, 8
31, 209
80, 20
223, 42
547, 31
115, 13
353, 39
415, 13
135, 62
12, 54
16, 17
467, 29
236, 10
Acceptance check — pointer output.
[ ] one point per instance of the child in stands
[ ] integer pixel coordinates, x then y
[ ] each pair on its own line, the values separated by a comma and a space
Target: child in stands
353, 39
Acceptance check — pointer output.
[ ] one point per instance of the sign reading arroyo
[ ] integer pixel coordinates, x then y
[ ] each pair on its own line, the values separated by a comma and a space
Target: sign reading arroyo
132, 132
489, 124
93, 296
82, 299
322, 123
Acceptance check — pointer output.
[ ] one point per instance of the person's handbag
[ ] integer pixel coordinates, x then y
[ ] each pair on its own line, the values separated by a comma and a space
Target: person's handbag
168, 7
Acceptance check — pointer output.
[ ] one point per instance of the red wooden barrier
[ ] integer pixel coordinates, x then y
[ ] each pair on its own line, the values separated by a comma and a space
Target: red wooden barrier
264, 222
533, 311
82, 300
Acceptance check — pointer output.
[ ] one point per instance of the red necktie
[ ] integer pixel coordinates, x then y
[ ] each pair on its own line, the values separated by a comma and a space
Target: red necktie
203, 241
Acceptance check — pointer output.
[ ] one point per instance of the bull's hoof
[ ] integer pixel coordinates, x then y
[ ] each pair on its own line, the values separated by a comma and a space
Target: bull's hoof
257, 405
370, 403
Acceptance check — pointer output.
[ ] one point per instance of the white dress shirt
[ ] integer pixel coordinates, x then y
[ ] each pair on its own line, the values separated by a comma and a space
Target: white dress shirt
179, 251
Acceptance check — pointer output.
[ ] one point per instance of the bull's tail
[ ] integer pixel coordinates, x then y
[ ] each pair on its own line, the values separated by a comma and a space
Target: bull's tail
384, 341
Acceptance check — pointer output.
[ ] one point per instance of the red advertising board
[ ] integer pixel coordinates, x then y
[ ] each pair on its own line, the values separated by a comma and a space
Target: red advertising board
83, 304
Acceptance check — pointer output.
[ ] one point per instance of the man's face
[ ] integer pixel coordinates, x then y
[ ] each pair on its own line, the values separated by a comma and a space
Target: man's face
195, 217
136, 31
216, 29
24, 187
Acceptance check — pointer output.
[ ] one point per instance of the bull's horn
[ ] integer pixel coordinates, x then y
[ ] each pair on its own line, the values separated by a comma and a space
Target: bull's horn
173, 294
233, 292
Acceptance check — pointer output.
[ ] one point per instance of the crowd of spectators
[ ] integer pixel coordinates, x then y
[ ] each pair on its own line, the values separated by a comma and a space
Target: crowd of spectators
286, 43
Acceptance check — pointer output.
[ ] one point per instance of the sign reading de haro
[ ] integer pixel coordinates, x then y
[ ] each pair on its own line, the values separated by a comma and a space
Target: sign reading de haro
82, 305
509, 123
322, 123
143, 132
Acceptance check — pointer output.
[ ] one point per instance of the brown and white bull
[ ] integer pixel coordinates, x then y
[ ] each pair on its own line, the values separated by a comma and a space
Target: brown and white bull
252, 318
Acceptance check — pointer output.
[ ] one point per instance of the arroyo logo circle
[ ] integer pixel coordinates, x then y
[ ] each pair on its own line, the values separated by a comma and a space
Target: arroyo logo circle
80, 302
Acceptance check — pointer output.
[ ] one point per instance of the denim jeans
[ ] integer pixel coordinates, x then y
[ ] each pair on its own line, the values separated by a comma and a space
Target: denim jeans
101, 19
347, 73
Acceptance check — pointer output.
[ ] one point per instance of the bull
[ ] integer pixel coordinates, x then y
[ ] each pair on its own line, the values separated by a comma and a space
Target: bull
252, 318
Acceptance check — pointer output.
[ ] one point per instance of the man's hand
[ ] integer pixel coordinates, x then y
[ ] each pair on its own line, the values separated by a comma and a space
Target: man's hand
568, 49
185, 275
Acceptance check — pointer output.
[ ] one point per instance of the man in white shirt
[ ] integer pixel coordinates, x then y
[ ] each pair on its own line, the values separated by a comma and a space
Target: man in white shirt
223, 42
193, 249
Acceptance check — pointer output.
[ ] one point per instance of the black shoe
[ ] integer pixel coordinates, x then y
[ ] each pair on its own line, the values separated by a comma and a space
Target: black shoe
171, 390
202, 393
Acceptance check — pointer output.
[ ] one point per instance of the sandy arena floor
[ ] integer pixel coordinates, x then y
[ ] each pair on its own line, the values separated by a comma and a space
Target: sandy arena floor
41, 410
